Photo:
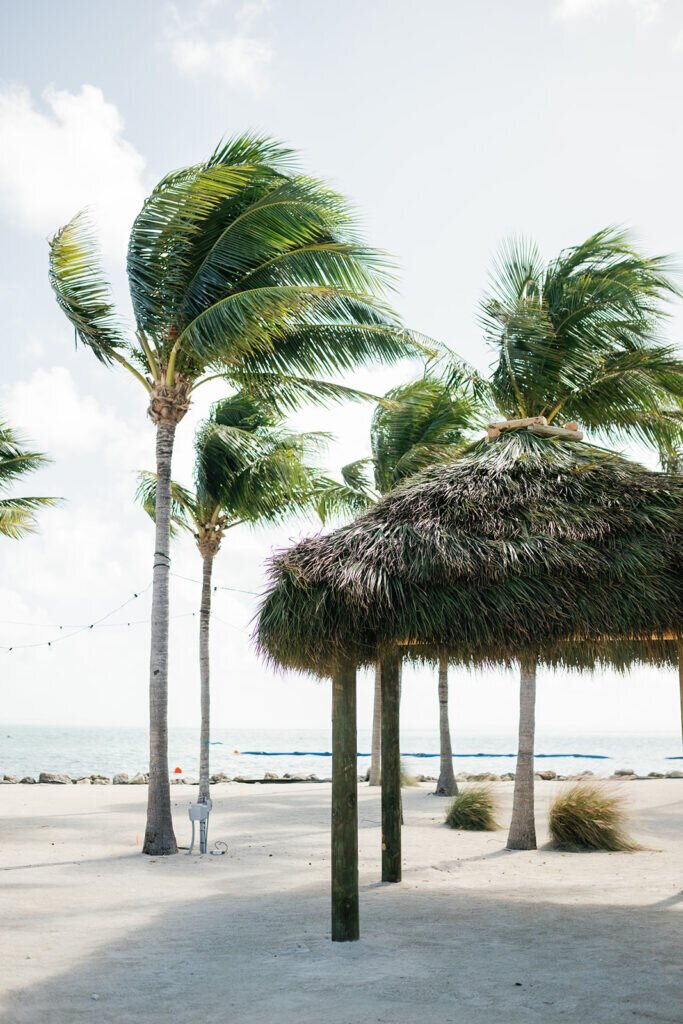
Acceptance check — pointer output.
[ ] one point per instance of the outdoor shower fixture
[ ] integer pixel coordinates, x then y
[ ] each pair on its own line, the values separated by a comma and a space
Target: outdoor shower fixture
200, 812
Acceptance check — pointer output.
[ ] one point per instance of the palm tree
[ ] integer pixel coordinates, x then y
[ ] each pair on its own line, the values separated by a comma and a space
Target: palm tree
417, 425
576, 339
18, 515
237, 269
248, 469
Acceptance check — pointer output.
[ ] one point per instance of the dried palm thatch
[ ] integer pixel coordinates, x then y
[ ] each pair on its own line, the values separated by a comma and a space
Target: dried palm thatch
523, 544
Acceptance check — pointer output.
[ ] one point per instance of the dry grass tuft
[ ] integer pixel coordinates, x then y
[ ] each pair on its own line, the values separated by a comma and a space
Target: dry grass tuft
474, 809
406, 779
589, 817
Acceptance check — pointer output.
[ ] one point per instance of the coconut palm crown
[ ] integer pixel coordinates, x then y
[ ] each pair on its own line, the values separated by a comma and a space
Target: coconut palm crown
577, 338
18, 514
241, 268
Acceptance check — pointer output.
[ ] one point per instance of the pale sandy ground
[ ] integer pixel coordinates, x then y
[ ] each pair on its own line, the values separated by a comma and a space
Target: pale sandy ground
245, 937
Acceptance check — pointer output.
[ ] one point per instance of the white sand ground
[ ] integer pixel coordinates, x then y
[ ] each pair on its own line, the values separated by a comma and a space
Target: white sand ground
245, 937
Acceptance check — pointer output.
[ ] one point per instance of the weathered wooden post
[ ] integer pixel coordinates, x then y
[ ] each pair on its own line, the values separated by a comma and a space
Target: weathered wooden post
391, 768
345, 924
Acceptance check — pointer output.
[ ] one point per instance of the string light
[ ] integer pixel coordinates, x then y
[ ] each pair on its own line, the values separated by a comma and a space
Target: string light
102, 624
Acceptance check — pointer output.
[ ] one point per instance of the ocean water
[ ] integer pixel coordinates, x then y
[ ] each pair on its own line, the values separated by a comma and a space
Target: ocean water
28, 750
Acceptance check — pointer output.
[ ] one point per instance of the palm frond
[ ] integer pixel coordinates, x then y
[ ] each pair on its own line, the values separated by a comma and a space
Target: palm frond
561, 328
184, 510
18, 514
81, 290
425, 421
285, 393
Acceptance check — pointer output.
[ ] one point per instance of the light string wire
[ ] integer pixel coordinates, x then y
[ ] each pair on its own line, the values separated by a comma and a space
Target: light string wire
102, 624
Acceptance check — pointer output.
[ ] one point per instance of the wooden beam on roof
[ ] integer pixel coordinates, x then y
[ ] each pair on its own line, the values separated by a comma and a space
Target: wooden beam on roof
544, 431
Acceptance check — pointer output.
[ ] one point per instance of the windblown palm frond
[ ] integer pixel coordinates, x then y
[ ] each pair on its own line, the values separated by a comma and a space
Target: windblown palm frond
238, 267
250, 466
82, 291
18, 515
427, 421
184, 510
248, 469
578, 336
349, 498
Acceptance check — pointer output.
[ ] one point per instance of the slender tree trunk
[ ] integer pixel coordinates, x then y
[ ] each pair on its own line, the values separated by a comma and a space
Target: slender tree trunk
345, 923
522, 835
204, 677
375, 775
391, 768
446, 785
159, 836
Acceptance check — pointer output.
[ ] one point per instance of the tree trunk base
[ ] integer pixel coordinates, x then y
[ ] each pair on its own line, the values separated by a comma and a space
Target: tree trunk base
446, 787
160, 842
524, 841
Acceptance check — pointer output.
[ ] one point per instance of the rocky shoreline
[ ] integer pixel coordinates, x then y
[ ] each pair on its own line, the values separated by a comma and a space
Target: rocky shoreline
141, 779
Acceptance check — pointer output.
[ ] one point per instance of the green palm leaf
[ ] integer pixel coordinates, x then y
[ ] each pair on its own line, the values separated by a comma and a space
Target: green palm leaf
18, 515
82, 291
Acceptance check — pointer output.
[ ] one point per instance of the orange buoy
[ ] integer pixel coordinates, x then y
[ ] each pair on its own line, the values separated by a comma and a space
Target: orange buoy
177, 771
235, 751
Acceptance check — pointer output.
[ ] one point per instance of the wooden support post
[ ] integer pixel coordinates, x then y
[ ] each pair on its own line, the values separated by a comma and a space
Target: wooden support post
345, 924
391, 768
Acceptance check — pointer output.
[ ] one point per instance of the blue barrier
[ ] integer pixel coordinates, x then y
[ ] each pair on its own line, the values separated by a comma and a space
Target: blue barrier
327, 753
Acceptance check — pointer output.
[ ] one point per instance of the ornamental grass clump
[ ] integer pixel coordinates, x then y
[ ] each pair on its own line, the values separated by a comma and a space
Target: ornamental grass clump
473, 810
408, 781
589, 817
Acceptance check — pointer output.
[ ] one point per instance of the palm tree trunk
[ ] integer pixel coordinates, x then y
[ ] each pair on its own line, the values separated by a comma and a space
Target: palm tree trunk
345, 925
391, 767
375, 776
204, 677
446, 785
159, 836
522, 835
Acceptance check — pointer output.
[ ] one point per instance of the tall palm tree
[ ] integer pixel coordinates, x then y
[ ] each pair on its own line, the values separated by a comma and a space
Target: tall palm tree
248, 469
577, 339
18, 515
238, 269
418, 424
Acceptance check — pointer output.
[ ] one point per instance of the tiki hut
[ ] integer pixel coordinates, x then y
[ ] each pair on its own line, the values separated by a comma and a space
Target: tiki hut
525, 548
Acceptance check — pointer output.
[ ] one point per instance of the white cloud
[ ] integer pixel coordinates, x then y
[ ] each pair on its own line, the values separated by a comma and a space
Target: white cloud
240, 59
66, 423
645, 10
72, 155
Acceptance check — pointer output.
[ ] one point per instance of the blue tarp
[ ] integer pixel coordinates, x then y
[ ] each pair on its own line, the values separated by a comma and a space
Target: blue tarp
328, 753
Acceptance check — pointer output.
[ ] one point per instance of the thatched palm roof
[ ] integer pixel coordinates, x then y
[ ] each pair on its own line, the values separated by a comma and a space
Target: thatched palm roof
524, 543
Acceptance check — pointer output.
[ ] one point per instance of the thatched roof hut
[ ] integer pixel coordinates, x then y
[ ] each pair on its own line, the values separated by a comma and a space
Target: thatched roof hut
521, 543
526, 548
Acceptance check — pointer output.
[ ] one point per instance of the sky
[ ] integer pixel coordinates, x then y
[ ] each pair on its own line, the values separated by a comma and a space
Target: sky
449, 126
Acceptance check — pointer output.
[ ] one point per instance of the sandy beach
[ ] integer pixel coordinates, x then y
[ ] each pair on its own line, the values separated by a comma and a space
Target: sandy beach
94, 931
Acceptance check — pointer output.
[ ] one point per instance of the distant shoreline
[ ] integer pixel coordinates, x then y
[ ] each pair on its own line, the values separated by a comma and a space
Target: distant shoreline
271, 778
